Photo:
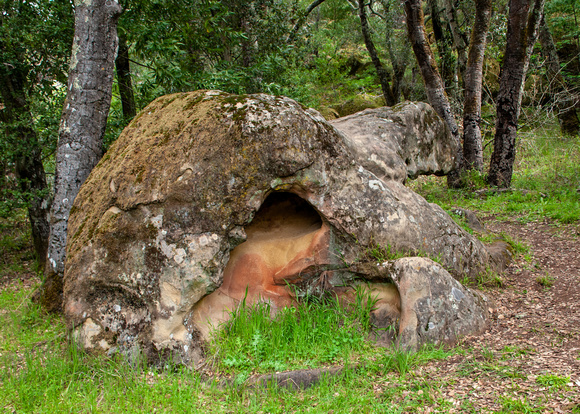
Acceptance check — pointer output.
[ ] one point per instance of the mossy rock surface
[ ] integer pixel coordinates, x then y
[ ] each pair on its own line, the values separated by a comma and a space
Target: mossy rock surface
359, 103
153, 227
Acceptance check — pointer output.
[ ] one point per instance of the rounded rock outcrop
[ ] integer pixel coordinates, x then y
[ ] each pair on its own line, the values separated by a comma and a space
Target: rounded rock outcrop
201, 184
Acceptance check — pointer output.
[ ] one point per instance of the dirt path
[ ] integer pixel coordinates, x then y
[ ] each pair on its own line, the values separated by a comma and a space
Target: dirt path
533, 344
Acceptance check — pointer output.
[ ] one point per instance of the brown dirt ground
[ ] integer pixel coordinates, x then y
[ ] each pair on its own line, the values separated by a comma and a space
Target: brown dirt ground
534, 332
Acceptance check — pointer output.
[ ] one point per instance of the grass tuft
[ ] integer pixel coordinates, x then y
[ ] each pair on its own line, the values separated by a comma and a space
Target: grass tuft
315, 332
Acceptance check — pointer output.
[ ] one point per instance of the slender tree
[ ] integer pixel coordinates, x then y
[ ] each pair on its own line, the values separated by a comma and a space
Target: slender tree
447, 61
302, 19
82, 127
459, 37
26, 154
123, 68
523, 23
29, 69
433, 83
382, 72
564, 101
472, 145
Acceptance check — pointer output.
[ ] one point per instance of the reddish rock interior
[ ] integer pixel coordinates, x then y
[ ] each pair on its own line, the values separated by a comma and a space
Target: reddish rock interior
286, 237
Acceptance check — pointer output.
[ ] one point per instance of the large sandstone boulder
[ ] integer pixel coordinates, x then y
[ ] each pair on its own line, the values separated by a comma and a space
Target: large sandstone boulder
208, 198
406, 140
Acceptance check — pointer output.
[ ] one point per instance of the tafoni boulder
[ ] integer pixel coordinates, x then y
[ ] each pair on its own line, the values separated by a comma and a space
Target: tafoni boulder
406, 140
208, 198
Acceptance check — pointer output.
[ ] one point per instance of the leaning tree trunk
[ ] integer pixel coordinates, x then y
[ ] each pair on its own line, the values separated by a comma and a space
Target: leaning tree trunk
433, 83
564, 101
302, 19
83, 123
472, 146
124, 79
27, 157
523, 22
381, 71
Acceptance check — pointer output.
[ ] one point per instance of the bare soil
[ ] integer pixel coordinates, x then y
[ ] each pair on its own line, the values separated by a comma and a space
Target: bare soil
534, 333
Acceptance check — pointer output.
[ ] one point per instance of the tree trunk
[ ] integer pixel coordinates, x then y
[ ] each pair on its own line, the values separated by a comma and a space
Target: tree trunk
564, 101
459, 38
472, 146
382, 73
523, 21
27, 158
302, 20
447, 63
433, 83
83, 123
124, 79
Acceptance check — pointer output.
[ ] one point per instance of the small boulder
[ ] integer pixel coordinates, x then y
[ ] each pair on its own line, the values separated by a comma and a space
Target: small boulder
435, 308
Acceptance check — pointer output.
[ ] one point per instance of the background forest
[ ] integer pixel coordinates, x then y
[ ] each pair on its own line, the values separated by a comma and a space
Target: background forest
312, 52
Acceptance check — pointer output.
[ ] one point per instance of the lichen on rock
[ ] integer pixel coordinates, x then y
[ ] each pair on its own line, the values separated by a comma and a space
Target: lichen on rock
171, 228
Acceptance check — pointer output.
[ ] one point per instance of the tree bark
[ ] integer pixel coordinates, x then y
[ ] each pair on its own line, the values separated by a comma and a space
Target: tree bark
523, 22
433, 83
382, 73
447, 63
83, 123
123, 68
27, 157
459, 38
472, 146
564, 102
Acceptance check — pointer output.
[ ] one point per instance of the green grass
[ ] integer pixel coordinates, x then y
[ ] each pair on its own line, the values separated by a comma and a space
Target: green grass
545, 182
552, 380
546, 280
41, 372
315, 332
53, 376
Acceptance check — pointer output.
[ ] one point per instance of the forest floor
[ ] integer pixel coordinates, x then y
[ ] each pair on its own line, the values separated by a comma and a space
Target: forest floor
529, 360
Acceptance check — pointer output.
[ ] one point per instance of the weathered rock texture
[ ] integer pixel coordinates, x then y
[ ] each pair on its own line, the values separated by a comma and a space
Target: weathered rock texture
406, 140
161, 222
435, 308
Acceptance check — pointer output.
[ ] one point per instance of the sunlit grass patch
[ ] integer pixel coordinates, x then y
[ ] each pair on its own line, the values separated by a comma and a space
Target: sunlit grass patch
545, 183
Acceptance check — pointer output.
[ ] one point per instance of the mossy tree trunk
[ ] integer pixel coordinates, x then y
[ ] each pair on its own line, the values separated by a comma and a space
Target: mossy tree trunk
433, 83
83, 123
523, 22
472, 145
